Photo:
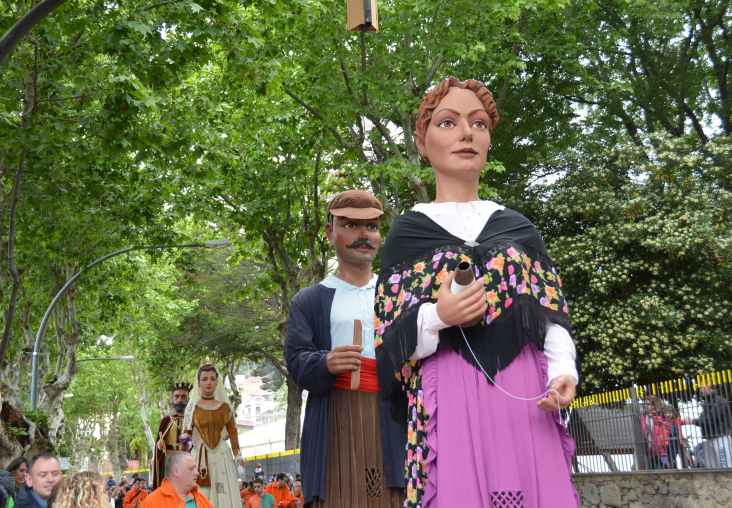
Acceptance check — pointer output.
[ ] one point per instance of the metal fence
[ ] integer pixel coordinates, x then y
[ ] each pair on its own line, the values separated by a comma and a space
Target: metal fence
674, 424
287, 461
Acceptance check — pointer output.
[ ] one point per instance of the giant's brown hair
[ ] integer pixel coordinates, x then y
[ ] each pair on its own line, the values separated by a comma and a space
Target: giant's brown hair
206, 368
432, 98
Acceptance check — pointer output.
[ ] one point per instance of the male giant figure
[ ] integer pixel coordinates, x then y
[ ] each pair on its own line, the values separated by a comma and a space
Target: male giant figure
347, 454
171, 427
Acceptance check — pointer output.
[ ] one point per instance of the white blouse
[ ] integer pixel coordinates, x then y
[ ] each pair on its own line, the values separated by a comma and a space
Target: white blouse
466, 221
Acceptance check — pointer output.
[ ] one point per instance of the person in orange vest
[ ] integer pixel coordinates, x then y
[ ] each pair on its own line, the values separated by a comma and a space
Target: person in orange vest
280, 491
179, 488
137, 494
298, 500
245, 493
260, 499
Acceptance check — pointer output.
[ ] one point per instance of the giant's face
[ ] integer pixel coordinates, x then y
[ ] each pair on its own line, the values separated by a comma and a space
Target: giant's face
458, 137
207, 381
180, 400
356, 241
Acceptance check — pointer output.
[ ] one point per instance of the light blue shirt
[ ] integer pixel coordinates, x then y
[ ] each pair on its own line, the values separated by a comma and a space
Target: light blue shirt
351, 302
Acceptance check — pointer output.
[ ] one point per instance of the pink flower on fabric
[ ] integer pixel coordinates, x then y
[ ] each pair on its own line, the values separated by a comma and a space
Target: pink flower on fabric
534, 280
512, 281
437, 256
395, 289
395, 278
511, 270
389, 305
508, 302
513, 253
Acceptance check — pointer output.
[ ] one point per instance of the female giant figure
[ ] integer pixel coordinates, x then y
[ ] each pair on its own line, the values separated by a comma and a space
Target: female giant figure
209, 422
480, 374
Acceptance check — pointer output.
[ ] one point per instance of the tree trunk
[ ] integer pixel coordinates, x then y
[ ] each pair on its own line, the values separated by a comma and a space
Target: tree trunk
145, 419
294, 409
68, 332
230, 370
116, 448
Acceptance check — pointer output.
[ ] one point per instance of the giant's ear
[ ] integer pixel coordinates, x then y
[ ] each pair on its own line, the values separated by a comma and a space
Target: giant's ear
420, 146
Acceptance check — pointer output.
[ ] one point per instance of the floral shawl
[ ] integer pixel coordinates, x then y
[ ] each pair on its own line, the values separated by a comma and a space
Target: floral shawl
523, 291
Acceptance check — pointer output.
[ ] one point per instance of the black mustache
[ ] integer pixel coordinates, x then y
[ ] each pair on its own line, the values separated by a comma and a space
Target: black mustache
361, 242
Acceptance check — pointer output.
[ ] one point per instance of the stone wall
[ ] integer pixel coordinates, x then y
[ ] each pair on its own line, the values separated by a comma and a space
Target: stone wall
656, 489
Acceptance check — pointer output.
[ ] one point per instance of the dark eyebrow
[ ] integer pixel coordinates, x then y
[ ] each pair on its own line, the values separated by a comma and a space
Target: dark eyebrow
477, 110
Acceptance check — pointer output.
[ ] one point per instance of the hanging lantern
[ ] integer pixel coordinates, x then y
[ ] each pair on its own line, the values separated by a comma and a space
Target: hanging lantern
362, 16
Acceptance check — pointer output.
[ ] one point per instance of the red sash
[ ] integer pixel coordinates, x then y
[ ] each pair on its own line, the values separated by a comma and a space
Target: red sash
368, 382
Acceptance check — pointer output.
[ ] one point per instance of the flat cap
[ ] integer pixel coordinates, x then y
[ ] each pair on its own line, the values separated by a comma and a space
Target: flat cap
355, 204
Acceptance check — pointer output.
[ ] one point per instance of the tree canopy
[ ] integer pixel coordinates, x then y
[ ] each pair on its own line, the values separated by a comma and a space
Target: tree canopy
159, 123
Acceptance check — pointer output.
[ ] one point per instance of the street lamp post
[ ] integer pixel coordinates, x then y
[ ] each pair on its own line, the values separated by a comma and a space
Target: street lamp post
211, 244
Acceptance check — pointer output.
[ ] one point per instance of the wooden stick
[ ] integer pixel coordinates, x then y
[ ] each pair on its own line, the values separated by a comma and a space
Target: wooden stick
357, 341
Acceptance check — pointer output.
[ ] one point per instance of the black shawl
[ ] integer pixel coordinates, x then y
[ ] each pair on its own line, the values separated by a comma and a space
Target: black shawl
522, 285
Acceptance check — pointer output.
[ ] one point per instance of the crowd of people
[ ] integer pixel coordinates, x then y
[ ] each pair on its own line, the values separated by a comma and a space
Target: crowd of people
283, 491
666, 444
40, 483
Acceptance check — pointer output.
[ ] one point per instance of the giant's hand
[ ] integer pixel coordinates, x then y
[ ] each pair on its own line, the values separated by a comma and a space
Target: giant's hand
463, 308
344, 359
562, 390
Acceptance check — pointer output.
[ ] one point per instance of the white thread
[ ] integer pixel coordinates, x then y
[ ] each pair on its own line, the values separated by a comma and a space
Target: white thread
506, 392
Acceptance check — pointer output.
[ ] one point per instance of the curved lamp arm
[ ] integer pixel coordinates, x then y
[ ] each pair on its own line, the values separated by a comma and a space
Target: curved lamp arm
211, 244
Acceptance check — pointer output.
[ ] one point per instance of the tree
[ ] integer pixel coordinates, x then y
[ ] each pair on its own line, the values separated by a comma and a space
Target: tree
76, 103
644, 247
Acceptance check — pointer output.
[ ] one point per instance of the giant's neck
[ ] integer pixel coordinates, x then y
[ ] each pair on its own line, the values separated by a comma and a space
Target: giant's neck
452, 188
356, 275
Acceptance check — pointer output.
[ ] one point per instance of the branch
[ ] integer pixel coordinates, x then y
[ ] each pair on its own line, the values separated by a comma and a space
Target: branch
695, 122
721, 68
361, 135
581, 100
317, 115
393, 148
430, 75
277, 364
159, 4
29, 107
24, 25
226, 199
515, 49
